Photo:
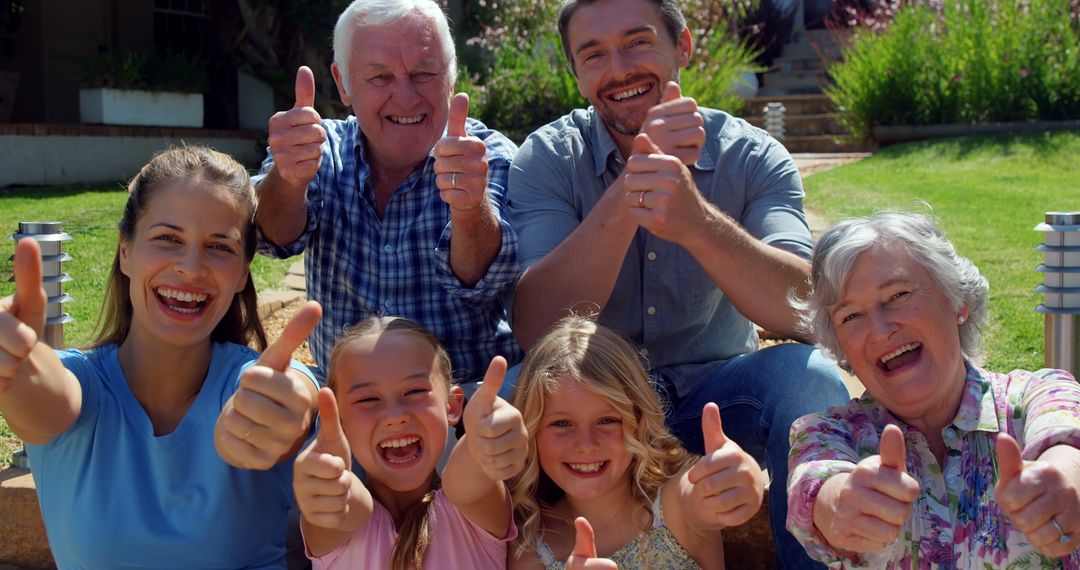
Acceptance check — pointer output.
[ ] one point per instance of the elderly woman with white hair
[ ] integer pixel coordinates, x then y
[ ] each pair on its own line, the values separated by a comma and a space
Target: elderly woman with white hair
941, 463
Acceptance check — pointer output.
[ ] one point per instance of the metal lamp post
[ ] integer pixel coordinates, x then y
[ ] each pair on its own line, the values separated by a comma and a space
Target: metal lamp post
1061, 289
51, 240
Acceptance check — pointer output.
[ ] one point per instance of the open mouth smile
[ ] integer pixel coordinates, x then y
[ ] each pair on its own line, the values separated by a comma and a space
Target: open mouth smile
183, 302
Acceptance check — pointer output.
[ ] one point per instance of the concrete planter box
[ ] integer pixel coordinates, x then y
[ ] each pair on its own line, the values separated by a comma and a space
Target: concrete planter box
149, 108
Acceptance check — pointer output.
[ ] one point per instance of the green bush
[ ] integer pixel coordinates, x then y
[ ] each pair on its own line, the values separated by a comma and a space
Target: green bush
138, 70
521, 79
963, 61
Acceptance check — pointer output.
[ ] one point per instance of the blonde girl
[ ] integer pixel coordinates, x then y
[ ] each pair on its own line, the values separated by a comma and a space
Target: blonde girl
390, 379
599, 449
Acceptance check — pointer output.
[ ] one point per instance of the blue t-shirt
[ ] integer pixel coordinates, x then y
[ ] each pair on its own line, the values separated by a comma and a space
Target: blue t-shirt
115, 496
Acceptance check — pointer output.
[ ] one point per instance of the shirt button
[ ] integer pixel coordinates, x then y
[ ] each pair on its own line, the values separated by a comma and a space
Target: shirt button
651, 310
652, 256
388, 248
645, 352
387, 303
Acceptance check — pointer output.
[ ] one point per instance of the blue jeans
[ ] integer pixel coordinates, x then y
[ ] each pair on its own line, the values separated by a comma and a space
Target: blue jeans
760, 394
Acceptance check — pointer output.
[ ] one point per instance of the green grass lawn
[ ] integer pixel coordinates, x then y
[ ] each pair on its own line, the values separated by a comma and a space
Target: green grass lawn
988, 194
90, 215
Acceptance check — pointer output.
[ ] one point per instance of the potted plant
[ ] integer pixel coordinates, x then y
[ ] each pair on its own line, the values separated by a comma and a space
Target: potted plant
10, 21
136, 88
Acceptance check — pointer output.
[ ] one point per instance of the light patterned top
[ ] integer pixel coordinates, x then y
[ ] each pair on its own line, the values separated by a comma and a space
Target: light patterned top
955, 521
652, 549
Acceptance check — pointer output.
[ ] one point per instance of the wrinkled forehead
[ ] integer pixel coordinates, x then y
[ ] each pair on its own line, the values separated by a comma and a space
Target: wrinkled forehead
412, 41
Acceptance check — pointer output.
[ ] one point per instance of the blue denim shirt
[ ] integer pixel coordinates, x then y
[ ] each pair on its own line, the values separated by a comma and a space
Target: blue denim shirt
663, 299
359, 264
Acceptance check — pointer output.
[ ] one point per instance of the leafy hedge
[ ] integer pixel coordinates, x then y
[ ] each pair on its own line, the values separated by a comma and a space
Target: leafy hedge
962, 61
519, 79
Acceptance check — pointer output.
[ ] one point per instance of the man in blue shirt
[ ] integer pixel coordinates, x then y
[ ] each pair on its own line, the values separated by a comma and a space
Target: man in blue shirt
400, 209
683, 225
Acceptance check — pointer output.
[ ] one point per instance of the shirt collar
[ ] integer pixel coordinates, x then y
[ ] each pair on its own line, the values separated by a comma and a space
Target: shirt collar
977, 409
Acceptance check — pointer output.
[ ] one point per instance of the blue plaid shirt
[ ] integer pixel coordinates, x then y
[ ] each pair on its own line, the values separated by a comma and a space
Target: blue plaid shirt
359, 265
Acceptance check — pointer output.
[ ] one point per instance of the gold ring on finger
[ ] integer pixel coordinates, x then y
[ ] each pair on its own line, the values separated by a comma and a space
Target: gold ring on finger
641, 200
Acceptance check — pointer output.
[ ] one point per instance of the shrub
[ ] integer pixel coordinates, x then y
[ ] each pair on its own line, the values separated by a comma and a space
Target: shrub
961, 61
520, 79
138, 70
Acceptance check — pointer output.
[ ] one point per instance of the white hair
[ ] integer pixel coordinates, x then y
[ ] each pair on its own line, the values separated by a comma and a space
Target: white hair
374, 13
834, 256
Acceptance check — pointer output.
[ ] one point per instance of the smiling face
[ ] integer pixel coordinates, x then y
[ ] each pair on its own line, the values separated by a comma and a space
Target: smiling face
580, 444
395, 408
185, 261
398, 85
623, 56
901, 336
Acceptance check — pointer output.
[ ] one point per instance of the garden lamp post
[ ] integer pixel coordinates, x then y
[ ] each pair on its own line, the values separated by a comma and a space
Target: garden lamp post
51, 240
1061, 289
774, 120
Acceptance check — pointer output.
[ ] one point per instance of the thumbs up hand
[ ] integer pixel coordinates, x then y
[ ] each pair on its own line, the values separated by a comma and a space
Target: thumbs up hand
726, 485
269, 415
583, 556
1037, 495
296, 135
864, 511
662, 195
22, 316
322, 476
676, 126
494, 430
461, 165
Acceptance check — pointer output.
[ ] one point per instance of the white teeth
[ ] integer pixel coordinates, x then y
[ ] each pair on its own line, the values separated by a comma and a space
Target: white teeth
181, 295
406, 120
402, 442
899, 351
630, 93
586, 467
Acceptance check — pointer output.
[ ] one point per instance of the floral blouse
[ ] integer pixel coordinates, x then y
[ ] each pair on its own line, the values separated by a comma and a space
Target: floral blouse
955, 522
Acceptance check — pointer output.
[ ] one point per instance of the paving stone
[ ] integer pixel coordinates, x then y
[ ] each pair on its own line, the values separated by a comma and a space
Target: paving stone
24, 544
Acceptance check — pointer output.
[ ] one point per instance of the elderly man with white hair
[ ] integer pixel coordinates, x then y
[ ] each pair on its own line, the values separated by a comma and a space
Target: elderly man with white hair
400, 208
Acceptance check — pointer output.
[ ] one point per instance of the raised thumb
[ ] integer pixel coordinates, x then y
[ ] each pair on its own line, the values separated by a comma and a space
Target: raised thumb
891, 448
672, 91
459, 111
330, 437
644, 145
712, 428
29, 303
483, 400
1010, 461
305, 87
584, 540
278, 355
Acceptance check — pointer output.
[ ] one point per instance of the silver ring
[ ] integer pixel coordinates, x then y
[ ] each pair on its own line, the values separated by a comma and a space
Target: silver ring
453, 179
1063, 538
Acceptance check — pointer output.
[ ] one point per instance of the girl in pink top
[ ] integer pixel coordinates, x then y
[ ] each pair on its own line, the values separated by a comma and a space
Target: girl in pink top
390, 378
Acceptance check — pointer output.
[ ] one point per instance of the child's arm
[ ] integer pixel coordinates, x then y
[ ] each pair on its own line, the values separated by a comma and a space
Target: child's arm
492, 450
39, 398
270, 415
333, 502
723, 489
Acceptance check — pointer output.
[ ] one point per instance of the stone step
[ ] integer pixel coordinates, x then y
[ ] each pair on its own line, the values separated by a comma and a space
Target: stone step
24, 544
811, 124
802, 104
801, 81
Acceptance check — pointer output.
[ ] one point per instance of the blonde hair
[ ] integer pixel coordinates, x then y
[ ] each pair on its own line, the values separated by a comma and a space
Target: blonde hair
414, 535
197, 166
606, 364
